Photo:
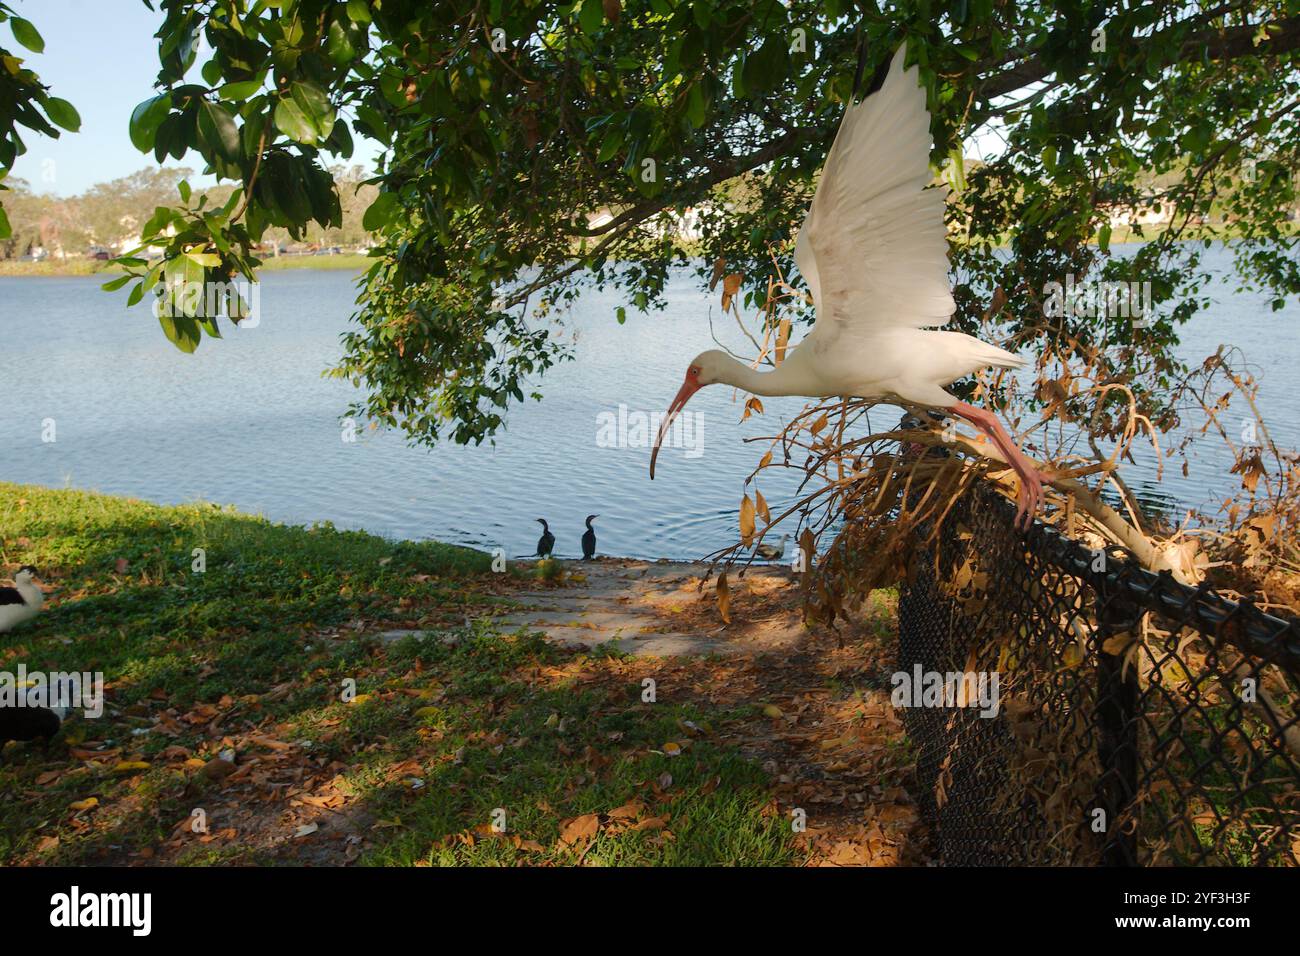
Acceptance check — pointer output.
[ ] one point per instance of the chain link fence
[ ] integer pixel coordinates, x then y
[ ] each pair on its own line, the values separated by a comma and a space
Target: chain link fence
1139, 721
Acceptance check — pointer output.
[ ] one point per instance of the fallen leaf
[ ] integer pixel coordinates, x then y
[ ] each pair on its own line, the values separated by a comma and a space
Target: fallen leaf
628, 811
579, 829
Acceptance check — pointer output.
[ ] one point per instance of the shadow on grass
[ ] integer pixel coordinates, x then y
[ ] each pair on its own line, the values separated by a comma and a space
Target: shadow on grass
447, 734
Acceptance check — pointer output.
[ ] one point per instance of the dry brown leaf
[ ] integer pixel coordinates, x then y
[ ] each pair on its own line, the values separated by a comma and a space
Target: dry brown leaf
782, 340
730, 286
746, 520
724, 598
719, 267
579, 829
628, 811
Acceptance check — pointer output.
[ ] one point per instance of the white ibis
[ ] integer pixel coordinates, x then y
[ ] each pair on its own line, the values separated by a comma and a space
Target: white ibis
873, 250
22, 601
589, 539
546, 543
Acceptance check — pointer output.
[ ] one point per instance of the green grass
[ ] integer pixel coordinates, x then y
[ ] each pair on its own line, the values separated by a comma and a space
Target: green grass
549, 758
347, 260
266, 637
53, 267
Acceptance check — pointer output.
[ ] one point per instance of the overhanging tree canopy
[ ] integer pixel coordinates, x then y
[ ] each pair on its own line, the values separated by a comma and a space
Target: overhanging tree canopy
506, 123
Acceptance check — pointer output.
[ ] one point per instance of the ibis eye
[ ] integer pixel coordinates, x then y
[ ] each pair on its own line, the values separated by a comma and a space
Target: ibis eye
694, 370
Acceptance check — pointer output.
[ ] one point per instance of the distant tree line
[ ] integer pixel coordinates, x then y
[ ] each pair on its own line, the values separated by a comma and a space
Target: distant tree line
109, 216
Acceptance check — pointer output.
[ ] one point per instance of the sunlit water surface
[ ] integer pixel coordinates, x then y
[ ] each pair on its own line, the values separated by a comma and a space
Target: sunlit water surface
250, 421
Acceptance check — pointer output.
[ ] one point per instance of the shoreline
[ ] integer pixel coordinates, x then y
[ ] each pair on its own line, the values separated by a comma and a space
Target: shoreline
16, 491
10, 268
97, 268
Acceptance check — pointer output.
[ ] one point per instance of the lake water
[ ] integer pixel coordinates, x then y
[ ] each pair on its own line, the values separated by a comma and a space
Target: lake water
249, 420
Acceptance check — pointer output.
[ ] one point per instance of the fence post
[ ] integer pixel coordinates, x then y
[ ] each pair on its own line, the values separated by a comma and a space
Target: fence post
1117, 743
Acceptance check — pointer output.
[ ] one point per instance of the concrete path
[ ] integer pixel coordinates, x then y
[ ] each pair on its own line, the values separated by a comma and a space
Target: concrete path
656, 609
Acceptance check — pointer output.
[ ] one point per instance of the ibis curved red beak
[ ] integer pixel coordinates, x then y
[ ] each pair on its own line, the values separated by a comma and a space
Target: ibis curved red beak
689, 388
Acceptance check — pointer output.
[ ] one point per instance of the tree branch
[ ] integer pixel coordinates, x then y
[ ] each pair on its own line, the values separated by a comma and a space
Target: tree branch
1228, 43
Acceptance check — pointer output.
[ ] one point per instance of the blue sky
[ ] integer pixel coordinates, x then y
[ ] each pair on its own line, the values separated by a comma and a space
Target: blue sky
102, 56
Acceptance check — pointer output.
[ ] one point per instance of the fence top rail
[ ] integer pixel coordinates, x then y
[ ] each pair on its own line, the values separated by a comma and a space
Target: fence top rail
1239, 623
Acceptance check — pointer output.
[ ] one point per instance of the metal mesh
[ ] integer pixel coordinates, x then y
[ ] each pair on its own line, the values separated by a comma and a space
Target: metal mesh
1141, 722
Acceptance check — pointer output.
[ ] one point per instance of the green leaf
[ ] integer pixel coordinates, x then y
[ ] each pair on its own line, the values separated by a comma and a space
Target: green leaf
609, 146
218, 132
62, 113
5, 229
374, 122
592, 16
208, 259
339, 46
306, 114
145, 120
340, 140
112, 285
181, 331
696, 106
241, 90
291, 121
380, 212
358, 11
26, 34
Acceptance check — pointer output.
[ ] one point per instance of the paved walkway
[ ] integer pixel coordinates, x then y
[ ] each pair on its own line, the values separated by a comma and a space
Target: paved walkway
656, 609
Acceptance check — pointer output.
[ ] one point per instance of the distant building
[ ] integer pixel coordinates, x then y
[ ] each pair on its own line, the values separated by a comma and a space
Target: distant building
1146, 215
601, 217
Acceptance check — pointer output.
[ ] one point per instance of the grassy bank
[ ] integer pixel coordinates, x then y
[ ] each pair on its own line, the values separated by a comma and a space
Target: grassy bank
447, 732
94, 267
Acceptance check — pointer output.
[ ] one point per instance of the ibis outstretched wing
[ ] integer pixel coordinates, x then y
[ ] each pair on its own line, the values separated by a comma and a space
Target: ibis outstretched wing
873, 248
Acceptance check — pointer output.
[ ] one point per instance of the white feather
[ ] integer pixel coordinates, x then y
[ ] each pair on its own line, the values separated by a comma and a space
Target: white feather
873, 247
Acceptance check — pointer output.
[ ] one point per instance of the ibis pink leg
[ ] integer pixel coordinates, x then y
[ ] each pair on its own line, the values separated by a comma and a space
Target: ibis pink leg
1030, 497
